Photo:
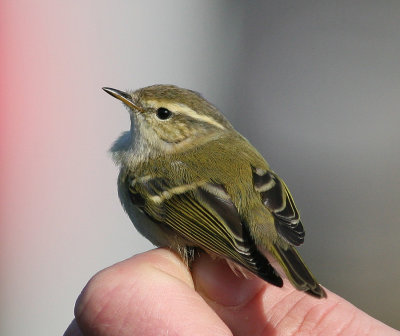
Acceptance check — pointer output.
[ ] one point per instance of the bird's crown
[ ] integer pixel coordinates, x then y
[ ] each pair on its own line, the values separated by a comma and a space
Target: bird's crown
170, 114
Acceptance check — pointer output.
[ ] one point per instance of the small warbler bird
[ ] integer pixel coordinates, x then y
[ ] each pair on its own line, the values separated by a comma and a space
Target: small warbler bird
188, 180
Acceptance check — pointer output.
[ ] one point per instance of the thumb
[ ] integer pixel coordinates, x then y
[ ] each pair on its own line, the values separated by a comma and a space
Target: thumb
254, 307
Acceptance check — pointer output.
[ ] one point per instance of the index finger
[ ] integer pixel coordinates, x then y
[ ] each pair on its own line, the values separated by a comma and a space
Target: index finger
148, 294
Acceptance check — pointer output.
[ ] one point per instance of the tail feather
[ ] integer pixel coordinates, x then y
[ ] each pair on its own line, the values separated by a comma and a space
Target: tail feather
297, 272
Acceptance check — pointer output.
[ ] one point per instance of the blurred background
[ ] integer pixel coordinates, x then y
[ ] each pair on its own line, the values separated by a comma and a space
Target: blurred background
314, 85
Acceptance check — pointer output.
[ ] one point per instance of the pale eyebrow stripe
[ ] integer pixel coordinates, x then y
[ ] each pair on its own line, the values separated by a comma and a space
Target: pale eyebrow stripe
182, 108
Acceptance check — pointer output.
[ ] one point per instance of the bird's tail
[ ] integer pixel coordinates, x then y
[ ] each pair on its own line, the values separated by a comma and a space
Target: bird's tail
297, 272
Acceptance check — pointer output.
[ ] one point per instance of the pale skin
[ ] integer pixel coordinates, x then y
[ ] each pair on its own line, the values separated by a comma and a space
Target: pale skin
154, 293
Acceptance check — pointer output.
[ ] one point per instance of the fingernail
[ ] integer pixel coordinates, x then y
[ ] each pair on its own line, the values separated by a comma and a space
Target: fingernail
215, 281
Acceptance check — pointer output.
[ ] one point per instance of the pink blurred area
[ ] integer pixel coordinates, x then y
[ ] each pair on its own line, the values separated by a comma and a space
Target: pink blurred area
48, 103
55, 205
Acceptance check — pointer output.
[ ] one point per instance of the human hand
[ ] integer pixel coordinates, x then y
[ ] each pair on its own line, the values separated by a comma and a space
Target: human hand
155, 294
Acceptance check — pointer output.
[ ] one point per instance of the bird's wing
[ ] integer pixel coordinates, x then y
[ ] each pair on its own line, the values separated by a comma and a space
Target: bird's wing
277, 198
204, 214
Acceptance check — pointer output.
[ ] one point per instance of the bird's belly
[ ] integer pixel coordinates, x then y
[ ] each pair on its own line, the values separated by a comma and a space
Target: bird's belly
150, 229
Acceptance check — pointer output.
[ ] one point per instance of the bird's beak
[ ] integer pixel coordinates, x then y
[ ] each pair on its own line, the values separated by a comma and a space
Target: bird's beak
126, 98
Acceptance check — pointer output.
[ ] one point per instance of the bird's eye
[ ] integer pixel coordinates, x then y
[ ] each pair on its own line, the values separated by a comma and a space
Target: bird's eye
163, 113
